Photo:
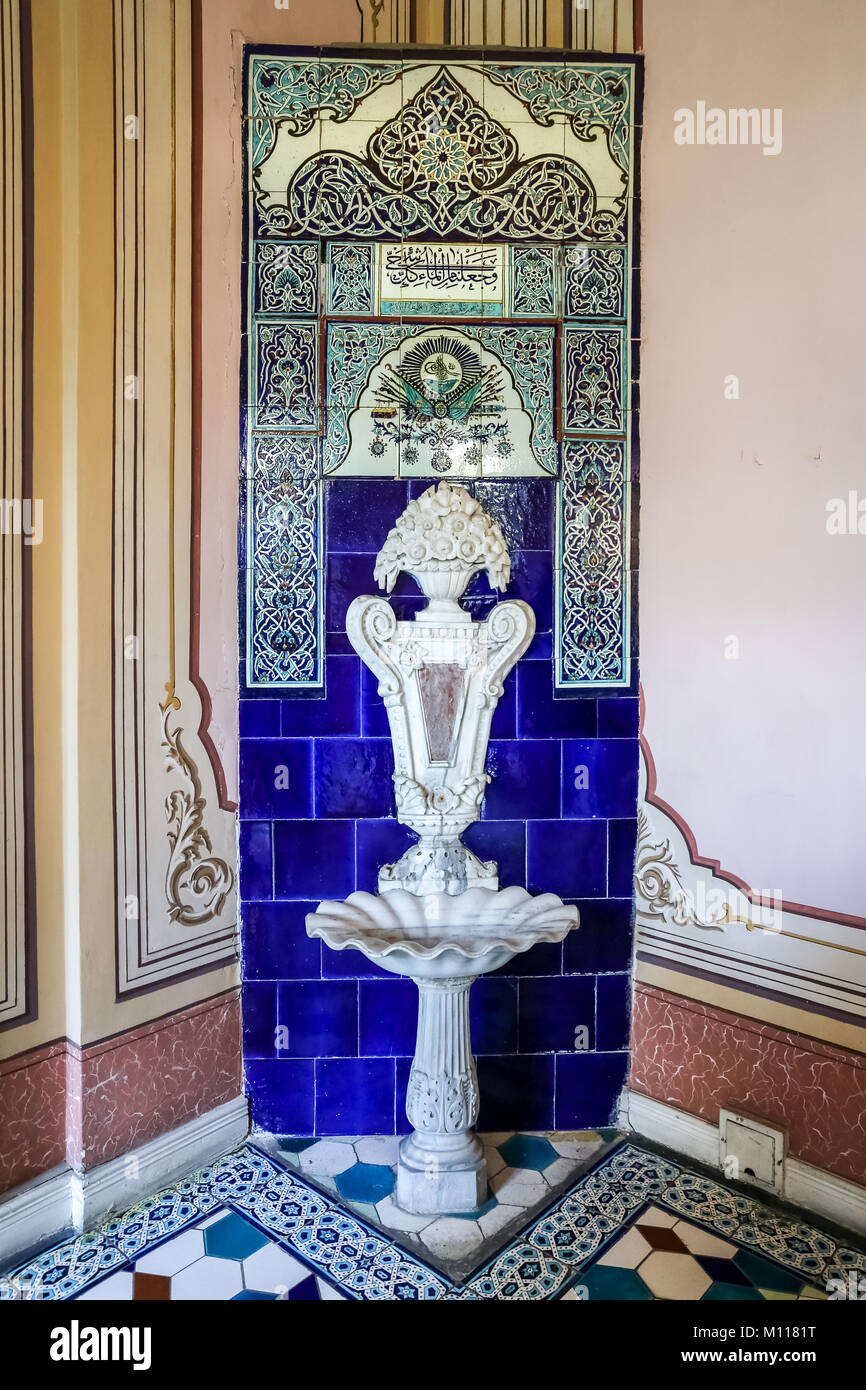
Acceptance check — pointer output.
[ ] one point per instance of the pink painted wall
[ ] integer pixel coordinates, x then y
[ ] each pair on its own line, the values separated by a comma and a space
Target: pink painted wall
752, 266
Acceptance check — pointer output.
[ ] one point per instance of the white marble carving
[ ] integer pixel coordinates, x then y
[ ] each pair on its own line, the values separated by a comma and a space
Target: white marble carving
439, 916
440, 677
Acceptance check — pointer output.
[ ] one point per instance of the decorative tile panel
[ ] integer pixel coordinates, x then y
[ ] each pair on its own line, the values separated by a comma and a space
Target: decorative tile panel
284, 601
431, 159
595, 281
534, 273
594, 374
286, 375
488, 412
350, 278
446, 199
592, 557
287, 277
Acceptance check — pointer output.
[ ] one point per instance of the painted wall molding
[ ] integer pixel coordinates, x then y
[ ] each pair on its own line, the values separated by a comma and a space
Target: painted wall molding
825, 1194
176, 908
20, 512
603, 25
713, 929
64, 1201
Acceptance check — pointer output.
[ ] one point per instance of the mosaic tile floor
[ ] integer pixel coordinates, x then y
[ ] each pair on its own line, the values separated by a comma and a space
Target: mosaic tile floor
525, 1173
637, 1225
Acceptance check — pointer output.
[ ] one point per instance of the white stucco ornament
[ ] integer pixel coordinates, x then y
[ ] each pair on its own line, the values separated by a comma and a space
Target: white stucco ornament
439, 915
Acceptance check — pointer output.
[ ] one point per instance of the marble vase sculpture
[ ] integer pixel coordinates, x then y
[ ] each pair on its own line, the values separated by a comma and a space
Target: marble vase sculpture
440, 916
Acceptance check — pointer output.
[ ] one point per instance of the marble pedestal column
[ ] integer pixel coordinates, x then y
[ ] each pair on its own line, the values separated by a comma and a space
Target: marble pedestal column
441, 1165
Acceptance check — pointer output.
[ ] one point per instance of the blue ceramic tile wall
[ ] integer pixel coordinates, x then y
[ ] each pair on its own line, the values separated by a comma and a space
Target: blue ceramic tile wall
328, 1036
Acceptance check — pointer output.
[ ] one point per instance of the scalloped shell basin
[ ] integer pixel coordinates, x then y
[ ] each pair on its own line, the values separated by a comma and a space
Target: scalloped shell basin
442, 934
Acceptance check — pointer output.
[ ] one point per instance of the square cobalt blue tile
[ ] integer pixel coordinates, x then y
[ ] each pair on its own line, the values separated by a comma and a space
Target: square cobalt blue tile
282, 1096
524, 509
338, 712
622, 847
259, 1019
493, 1015
603, 940
355, 1096
350, 965
274, 942
516, 1093
532, 581
314, 859
354, 777
553, 1009
567, 857
321, 1017
347, 576
255, 859
618, 716
361, 512
374, 716
388, 1017
503, 841
543, 959
524, 780
588, 1086
259, 718
540, 715
504, 723
599, 777
379, 842
612, 1009
275, 779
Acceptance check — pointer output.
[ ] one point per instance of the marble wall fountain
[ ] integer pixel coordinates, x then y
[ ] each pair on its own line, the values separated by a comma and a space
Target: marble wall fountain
439, 915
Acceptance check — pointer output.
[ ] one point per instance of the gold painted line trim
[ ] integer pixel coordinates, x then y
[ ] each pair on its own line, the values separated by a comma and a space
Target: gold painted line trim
172, 424
792, 935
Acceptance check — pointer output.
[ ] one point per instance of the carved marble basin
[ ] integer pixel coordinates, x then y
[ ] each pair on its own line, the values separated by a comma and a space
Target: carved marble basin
442, 935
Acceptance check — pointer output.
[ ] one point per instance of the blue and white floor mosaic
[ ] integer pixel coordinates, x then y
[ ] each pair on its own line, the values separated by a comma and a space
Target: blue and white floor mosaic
638, 1225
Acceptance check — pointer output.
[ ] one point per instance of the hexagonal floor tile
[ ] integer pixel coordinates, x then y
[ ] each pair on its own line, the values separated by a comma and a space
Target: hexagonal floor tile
702, 1242
604, 1283
272, 1270
233, 1238
450, 1238
327, 1158
381, 1148
208, 1278
528, 1151
519, 1187
366, 1182
174, 1255
671, 1275
627, 1252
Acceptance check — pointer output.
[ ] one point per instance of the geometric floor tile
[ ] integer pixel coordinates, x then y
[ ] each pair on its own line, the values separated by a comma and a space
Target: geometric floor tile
233, 1238
528, 1151
670, 1275
524, 1171
635, 1227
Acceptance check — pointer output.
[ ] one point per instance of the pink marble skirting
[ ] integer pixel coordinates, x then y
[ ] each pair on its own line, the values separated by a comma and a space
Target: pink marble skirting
87, 1105
699, 1058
